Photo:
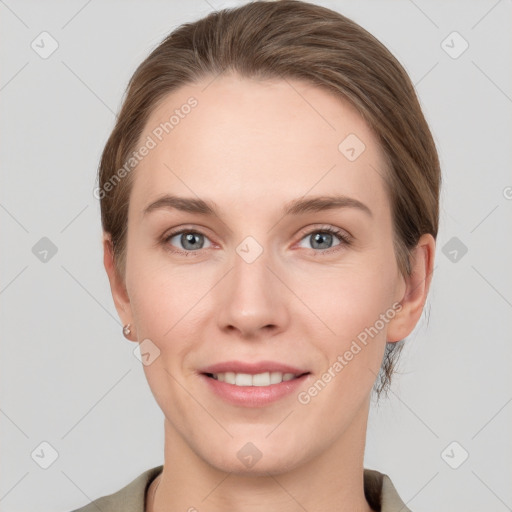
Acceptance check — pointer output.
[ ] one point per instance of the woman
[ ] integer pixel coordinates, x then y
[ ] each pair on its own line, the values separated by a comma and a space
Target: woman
269, 200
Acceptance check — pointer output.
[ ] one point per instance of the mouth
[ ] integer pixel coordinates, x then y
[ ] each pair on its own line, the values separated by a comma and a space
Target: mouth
263, 379
253, 384
246, 384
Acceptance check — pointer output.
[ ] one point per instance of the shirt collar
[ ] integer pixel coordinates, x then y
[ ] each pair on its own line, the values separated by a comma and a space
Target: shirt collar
378, 488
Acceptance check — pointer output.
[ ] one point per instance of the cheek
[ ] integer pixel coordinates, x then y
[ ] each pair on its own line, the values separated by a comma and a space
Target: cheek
160, 297
163, 305
348, 300
169, 304
355, 308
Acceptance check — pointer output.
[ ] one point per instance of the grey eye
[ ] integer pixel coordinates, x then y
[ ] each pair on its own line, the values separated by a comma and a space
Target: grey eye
321, 239
189, 240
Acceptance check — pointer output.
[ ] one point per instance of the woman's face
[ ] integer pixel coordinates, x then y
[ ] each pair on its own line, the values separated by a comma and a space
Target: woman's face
259, 286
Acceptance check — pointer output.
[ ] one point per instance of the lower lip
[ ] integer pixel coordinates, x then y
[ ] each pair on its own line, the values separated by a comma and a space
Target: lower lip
253, 396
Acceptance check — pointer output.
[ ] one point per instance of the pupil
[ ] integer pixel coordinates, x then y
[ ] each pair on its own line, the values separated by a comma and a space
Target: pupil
189, 239
319, 237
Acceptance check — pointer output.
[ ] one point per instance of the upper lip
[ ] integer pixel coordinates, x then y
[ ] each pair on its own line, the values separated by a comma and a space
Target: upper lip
251, 368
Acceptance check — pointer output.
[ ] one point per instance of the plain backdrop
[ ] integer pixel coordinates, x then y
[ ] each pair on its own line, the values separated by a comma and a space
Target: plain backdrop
70, 380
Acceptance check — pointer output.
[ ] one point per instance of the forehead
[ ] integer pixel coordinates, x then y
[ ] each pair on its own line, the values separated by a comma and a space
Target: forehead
236, 139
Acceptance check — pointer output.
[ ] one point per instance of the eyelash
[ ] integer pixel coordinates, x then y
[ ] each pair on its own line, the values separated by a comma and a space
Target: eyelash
345, 240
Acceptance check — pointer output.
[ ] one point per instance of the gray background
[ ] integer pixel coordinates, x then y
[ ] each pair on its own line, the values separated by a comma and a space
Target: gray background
68, 376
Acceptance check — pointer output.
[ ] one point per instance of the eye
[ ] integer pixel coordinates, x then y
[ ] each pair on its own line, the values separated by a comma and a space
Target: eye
322, 238
187, 240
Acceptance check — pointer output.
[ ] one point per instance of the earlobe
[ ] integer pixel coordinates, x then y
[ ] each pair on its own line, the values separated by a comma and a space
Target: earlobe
117, 287
416, 290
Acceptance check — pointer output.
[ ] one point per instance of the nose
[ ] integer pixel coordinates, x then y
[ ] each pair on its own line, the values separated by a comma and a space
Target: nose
252, 299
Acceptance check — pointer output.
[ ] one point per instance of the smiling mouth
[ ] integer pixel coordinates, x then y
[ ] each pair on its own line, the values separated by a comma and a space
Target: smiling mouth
258, 379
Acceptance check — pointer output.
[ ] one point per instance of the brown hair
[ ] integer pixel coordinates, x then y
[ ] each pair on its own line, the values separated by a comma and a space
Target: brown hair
288, 39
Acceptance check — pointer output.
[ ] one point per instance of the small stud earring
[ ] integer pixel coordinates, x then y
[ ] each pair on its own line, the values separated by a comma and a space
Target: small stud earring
127, 330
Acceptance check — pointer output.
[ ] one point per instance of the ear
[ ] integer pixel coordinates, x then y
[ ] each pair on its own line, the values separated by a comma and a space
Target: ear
417, 285
117, 287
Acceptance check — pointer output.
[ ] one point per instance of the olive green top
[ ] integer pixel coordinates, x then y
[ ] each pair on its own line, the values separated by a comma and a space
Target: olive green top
378, 488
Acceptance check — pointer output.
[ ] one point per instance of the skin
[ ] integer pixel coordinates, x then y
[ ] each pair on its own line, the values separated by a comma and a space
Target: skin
251, 146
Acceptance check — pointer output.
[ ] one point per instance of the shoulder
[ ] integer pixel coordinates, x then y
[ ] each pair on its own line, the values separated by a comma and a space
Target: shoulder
130, 498
381, 493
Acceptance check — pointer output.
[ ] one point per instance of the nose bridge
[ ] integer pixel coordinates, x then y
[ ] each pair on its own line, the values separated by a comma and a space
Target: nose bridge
251, 279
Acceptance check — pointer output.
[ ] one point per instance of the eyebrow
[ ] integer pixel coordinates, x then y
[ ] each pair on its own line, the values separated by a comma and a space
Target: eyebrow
295, 207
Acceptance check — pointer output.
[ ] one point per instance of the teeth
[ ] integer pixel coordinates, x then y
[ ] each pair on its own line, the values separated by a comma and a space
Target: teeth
260, 379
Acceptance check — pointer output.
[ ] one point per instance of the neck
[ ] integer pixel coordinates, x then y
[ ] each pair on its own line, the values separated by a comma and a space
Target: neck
331, 480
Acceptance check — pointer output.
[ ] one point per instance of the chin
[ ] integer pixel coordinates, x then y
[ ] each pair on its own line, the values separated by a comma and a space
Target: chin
260, 457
